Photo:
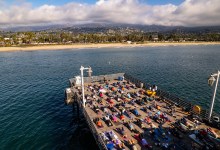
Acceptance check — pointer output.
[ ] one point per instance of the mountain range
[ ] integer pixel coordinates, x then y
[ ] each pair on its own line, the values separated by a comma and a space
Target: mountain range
99, 27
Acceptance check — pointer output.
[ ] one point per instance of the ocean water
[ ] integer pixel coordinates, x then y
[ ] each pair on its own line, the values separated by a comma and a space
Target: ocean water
32, 83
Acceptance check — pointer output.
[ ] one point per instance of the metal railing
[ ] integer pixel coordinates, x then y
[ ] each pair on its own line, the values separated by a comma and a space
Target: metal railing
96, 78
95, 133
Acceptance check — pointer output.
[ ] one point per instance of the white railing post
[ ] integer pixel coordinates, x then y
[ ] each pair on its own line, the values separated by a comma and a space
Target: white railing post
82, 83
213, 96
82, 86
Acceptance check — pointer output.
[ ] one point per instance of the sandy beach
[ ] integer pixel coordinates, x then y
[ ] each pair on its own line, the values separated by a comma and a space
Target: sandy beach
109, 45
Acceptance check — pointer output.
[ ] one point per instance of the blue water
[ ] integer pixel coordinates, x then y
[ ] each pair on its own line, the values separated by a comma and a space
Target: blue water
32, 109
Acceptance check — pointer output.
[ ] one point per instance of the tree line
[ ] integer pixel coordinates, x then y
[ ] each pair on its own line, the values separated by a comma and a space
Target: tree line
43, 37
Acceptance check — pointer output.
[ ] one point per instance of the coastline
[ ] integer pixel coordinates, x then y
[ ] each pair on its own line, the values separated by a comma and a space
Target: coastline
108, 45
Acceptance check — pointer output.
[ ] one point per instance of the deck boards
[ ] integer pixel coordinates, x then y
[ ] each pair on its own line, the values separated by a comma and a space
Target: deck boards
146, 132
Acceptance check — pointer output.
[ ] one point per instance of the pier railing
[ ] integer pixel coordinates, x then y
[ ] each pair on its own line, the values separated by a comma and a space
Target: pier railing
170, 97
96, 135
97, 78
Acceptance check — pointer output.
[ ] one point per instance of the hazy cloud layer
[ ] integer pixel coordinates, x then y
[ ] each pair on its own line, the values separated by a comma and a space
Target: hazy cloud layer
189, 13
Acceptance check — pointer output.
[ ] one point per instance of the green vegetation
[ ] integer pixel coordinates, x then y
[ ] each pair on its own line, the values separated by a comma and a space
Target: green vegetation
64, 37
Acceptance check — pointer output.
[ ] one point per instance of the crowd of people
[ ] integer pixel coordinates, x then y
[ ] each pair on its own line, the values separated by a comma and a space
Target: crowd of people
122, 107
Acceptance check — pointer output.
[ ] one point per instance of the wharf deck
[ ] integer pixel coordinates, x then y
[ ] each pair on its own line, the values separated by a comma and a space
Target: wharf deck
99, 106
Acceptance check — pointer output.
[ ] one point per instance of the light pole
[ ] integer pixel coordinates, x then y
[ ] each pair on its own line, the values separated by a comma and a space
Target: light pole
211, 81
82, 82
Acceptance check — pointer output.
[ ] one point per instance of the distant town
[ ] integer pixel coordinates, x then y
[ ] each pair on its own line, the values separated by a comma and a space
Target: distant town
100, 34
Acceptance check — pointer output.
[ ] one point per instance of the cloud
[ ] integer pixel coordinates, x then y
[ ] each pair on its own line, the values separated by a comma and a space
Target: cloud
198, 12
189, 13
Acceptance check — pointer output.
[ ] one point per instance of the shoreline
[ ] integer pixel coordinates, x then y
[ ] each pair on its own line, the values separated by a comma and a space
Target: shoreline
108, 45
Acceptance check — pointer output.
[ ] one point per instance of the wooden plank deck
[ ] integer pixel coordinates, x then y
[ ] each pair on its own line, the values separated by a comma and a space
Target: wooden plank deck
93, 99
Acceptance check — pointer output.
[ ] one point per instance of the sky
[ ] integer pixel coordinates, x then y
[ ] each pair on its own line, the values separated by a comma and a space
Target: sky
148, 12
37, 3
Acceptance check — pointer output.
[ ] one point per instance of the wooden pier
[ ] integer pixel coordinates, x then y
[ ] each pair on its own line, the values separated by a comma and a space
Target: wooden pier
125, 113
